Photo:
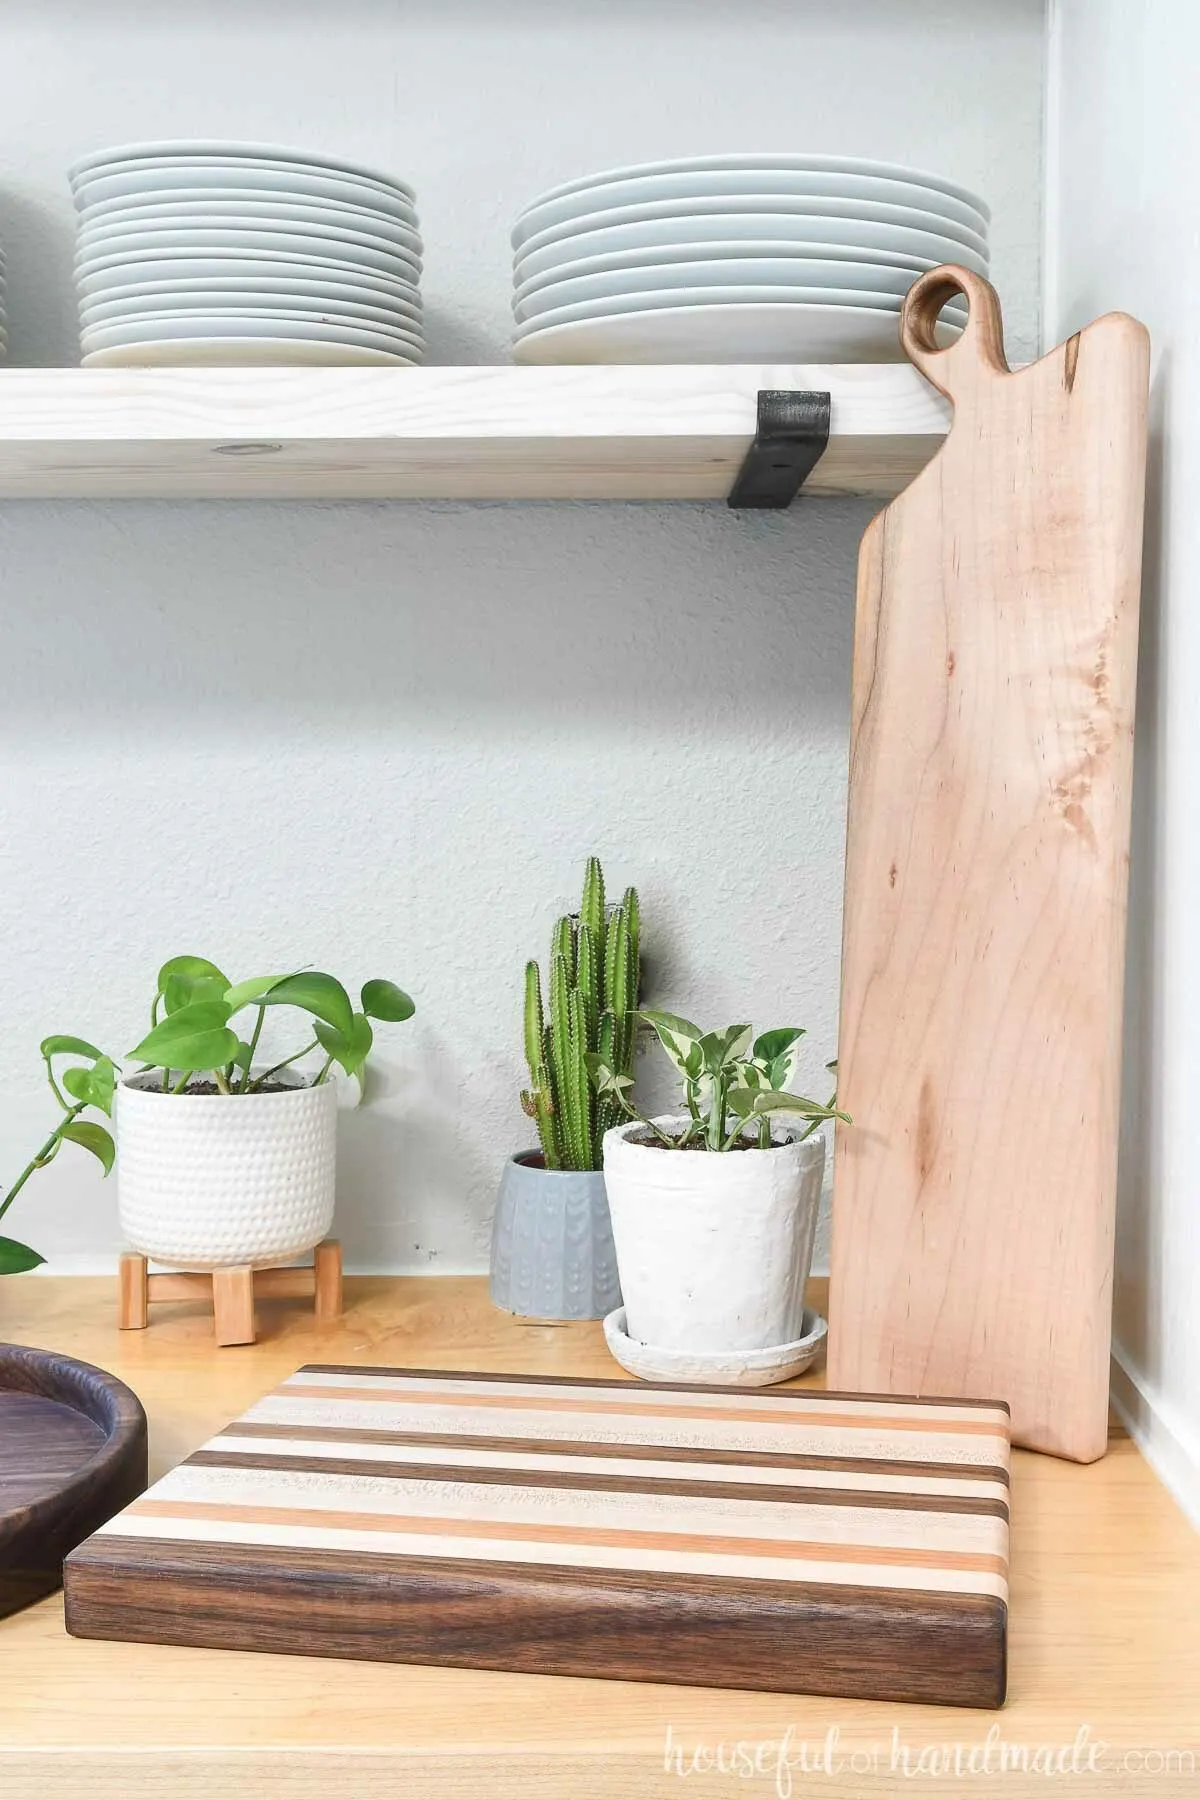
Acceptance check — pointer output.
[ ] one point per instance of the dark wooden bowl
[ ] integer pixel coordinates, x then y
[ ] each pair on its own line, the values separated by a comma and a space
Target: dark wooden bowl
72, 1453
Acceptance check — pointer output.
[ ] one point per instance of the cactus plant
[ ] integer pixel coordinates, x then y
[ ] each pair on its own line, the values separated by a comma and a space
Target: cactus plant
592, 992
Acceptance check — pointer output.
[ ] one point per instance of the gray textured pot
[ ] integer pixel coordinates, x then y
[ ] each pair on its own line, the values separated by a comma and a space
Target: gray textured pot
552, 1243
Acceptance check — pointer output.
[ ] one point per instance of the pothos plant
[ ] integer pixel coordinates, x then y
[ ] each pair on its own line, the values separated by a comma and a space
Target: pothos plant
192, 1024
732, 1083
192, 1033
89, 1083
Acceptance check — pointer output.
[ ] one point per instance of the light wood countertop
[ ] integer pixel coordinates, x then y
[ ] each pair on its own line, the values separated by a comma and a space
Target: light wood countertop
1105, 1627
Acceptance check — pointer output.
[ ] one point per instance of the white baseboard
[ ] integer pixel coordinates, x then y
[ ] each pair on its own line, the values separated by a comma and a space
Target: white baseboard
1165, 1440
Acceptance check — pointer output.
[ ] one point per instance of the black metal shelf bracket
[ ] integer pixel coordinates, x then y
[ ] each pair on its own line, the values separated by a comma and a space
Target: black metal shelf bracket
792, 434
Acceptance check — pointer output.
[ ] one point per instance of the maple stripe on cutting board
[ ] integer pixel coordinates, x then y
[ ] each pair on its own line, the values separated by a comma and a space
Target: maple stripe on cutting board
824, 1425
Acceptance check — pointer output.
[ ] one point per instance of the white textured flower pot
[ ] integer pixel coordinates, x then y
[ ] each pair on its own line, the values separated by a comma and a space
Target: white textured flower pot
206, 1181
714, 1250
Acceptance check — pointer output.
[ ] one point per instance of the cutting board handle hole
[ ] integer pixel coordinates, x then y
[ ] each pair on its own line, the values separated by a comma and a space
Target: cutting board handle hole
980, 349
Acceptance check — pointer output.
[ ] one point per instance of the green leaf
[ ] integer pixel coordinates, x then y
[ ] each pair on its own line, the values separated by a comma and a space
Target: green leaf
605, 1079
720, 1049
16, 1258
241, 1059
246, 993
188, 990
193, 967
93, 1086
93, 1138
349, 1049
772, 1044
680, 1039
746, 1103
68, 1046
384, 1000
318, 994
197, 1037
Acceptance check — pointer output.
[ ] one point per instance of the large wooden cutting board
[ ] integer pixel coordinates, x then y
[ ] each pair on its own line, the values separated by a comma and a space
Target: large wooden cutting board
987, 853
806, 1542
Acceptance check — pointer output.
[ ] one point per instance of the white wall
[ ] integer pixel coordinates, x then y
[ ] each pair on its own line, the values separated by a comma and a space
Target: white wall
383, 738
1125, 149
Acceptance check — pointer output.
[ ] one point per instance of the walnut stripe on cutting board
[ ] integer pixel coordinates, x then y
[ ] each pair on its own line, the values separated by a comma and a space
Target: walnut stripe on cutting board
692, 1478
801, 1396
683, 1394
964, 1478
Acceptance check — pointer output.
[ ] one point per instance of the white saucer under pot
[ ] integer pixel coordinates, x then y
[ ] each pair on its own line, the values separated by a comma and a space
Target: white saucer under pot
729, 1368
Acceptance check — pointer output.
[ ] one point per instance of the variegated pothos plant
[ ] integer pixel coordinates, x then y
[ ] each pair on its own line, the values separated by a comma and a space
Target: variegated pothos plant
732, 1083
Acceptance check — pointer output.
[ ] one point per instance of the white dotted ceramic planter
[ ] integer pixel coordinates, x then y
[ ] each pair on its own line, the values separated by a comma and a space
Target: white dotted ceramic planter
208, 1181
714, 1250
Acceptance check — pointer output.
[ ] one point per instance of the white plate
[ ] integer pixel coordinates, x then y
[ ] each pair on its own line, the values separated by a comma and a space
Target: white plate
150, 177
680, 187
203, 299
707, 250
313, 292
839, 236
148, 272
652, 299
722, 1368
211, 202
841, 165
208, 150
223, 353
724, 334
156, 328
841, 281
195, 244
337, 230
908, 218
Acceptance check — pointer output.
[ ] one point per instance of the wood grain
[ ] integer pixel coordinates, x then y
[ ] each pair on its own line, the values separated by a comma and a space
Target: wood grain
991, 741
133, 1292
501, 1616
72, 1453
231, 1293
443, 433
681, 1567
1103, 1627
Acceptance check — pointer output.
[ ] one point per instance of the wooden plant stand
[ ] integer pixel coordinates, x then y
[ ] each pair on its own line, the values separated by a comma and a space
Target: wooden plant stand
233, 1291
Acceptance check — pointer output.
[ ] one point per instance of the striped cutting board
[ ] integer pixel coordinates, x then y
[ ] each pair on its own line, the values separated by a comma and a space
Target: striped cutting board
799, 1541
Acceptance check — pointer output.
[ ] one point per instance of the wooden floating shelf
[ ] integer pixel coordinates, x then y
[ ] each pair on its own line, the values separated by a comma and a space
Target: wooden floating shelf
497, 433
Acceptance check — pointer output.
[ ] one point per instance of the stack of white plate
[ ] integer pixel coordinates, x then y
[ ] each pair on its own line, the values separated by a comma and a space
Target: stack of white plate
736, 259
212, 253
